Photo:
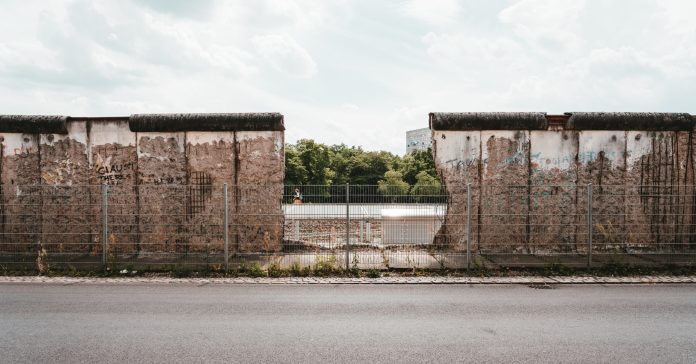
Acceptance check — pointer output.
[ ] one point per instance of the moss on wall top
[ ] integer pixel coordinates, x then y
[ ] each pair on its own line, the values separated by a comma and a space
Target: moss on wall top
33, 124
652, 121
207, 122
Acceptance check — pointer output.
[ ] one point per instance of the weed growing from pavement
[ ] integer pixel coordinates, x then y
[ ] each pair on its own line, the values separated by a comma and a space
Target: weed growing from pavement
276, 271
296, 270
373, 273
256, 270
354, 270
325, 267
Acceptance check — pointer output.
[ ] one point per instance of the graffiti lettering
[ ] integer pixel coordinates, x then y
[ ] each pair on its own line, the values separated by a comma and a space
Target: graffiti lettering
112, 173
115, 169
458, 163
162, 180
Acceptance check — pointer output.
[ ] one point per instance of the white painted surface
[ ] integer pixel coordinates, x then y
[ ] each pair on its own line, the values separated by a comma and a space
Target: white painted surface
18, 144
314, 211
549, 150
77, 131
458, 149
639, 144
112, 132
593, 142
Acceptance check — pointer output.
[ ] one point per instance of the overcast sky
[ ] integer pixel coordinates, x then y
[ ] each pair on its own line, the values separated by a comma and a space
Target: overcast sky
356, 72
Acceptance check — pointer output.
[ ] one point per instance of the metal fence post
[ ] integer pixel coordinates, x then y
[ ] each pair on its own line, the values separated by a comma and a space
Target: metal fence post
347, 226
589, 225
226, 231
468, 226
105, 224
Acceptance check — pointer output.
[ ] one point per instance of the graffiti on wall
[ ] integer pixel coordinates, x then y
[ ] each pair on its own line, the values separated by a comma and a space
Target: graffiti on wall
110, 172
162, 179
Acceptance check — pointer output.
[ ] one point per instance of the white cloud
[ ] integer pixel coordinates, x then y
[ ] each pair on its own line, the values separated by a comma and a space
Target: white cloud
549, 24
285, 55
463, 50
199, 9
677, 16
354, 72
303, 14
434, 12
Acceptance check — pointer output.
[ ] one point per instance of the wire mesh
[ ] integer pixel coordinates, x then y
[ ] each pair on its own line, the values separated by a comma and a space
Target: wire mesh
355, 226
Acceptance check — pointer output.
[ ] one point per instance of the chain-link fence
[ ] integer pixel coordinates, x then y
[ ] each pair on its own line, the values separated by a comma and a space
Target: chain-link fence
223, 226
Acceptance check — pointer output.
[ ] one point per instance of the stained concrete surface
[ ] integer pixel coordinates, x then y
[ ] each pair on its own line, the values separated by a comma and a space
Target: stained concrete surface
362, 323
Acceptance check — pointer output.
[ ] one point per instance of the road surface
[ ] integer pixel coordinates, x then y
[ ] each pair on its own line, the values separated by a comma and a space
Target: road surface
110, 323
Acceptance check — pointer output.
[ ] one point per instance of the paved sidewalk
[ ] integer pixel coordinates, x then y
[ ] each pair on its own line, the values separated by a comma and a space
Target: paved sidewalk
340, 280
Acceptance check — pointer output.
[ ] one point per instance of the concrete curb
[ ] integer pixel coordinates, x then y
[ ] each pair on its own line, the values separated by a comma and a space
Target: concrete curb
384, 280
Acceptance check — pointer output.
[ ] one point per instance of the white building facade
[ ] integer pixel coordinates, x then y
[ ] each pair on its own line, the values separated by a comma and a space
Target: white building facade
419, 139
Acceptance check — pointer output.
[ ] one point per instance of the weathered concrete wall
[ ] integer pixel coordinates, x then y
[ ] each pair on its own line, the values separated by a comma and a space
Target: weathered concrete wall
553, 172
162, 180
260, 157
458, 158
211, 163
654, 163
602, 162
114, 163
504, 180
20, 216
67, 217
640, 165
165, 176
685, 204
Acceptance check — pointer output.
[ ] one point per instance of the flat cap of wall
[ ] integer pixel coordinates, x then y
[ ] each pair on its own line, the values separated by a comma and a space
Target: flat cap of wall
488, 121
652, 121
33, 124
206, 122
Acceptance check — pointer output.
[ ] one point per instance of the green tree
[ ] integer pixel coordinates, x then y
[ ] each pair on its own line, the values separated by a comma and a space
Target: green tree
393, 185
415, 162
316, 160
342, 160
309, 162
368, 168
295, 171
426, 188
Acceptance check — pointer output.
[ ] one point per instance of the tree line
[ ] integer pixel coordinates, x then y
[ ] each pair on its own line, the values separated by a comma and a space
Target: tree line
310, 163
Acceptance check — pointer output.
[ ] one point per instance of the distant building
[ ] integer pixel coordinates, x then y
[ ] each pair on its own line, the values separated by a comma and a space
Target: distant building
419, 139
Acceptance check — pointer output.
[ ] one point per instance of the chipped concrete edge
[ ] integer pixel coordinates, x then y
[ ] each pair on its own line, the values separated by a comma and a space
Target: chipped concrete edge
340, 280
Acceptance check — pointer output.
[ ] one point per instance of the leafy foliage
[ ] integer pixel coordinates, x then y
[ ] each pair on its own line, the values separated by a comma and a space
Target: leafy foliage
393, 184
310, 163
426, 185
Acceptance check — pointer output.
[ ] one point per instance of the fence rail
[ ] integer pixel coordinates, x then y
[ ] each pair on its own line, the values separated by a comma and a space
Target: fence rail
223, 226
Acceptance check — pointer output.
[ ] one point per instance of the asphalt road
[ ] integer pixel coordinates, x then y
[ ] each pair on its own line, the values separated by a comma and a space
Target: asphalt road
355, 323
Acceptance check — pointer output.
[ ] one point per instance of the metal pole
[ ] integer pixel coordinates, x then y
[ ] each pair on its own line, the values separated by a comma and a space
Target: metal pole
347, 226
468, 226
105, 224
589, 225
226, 231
